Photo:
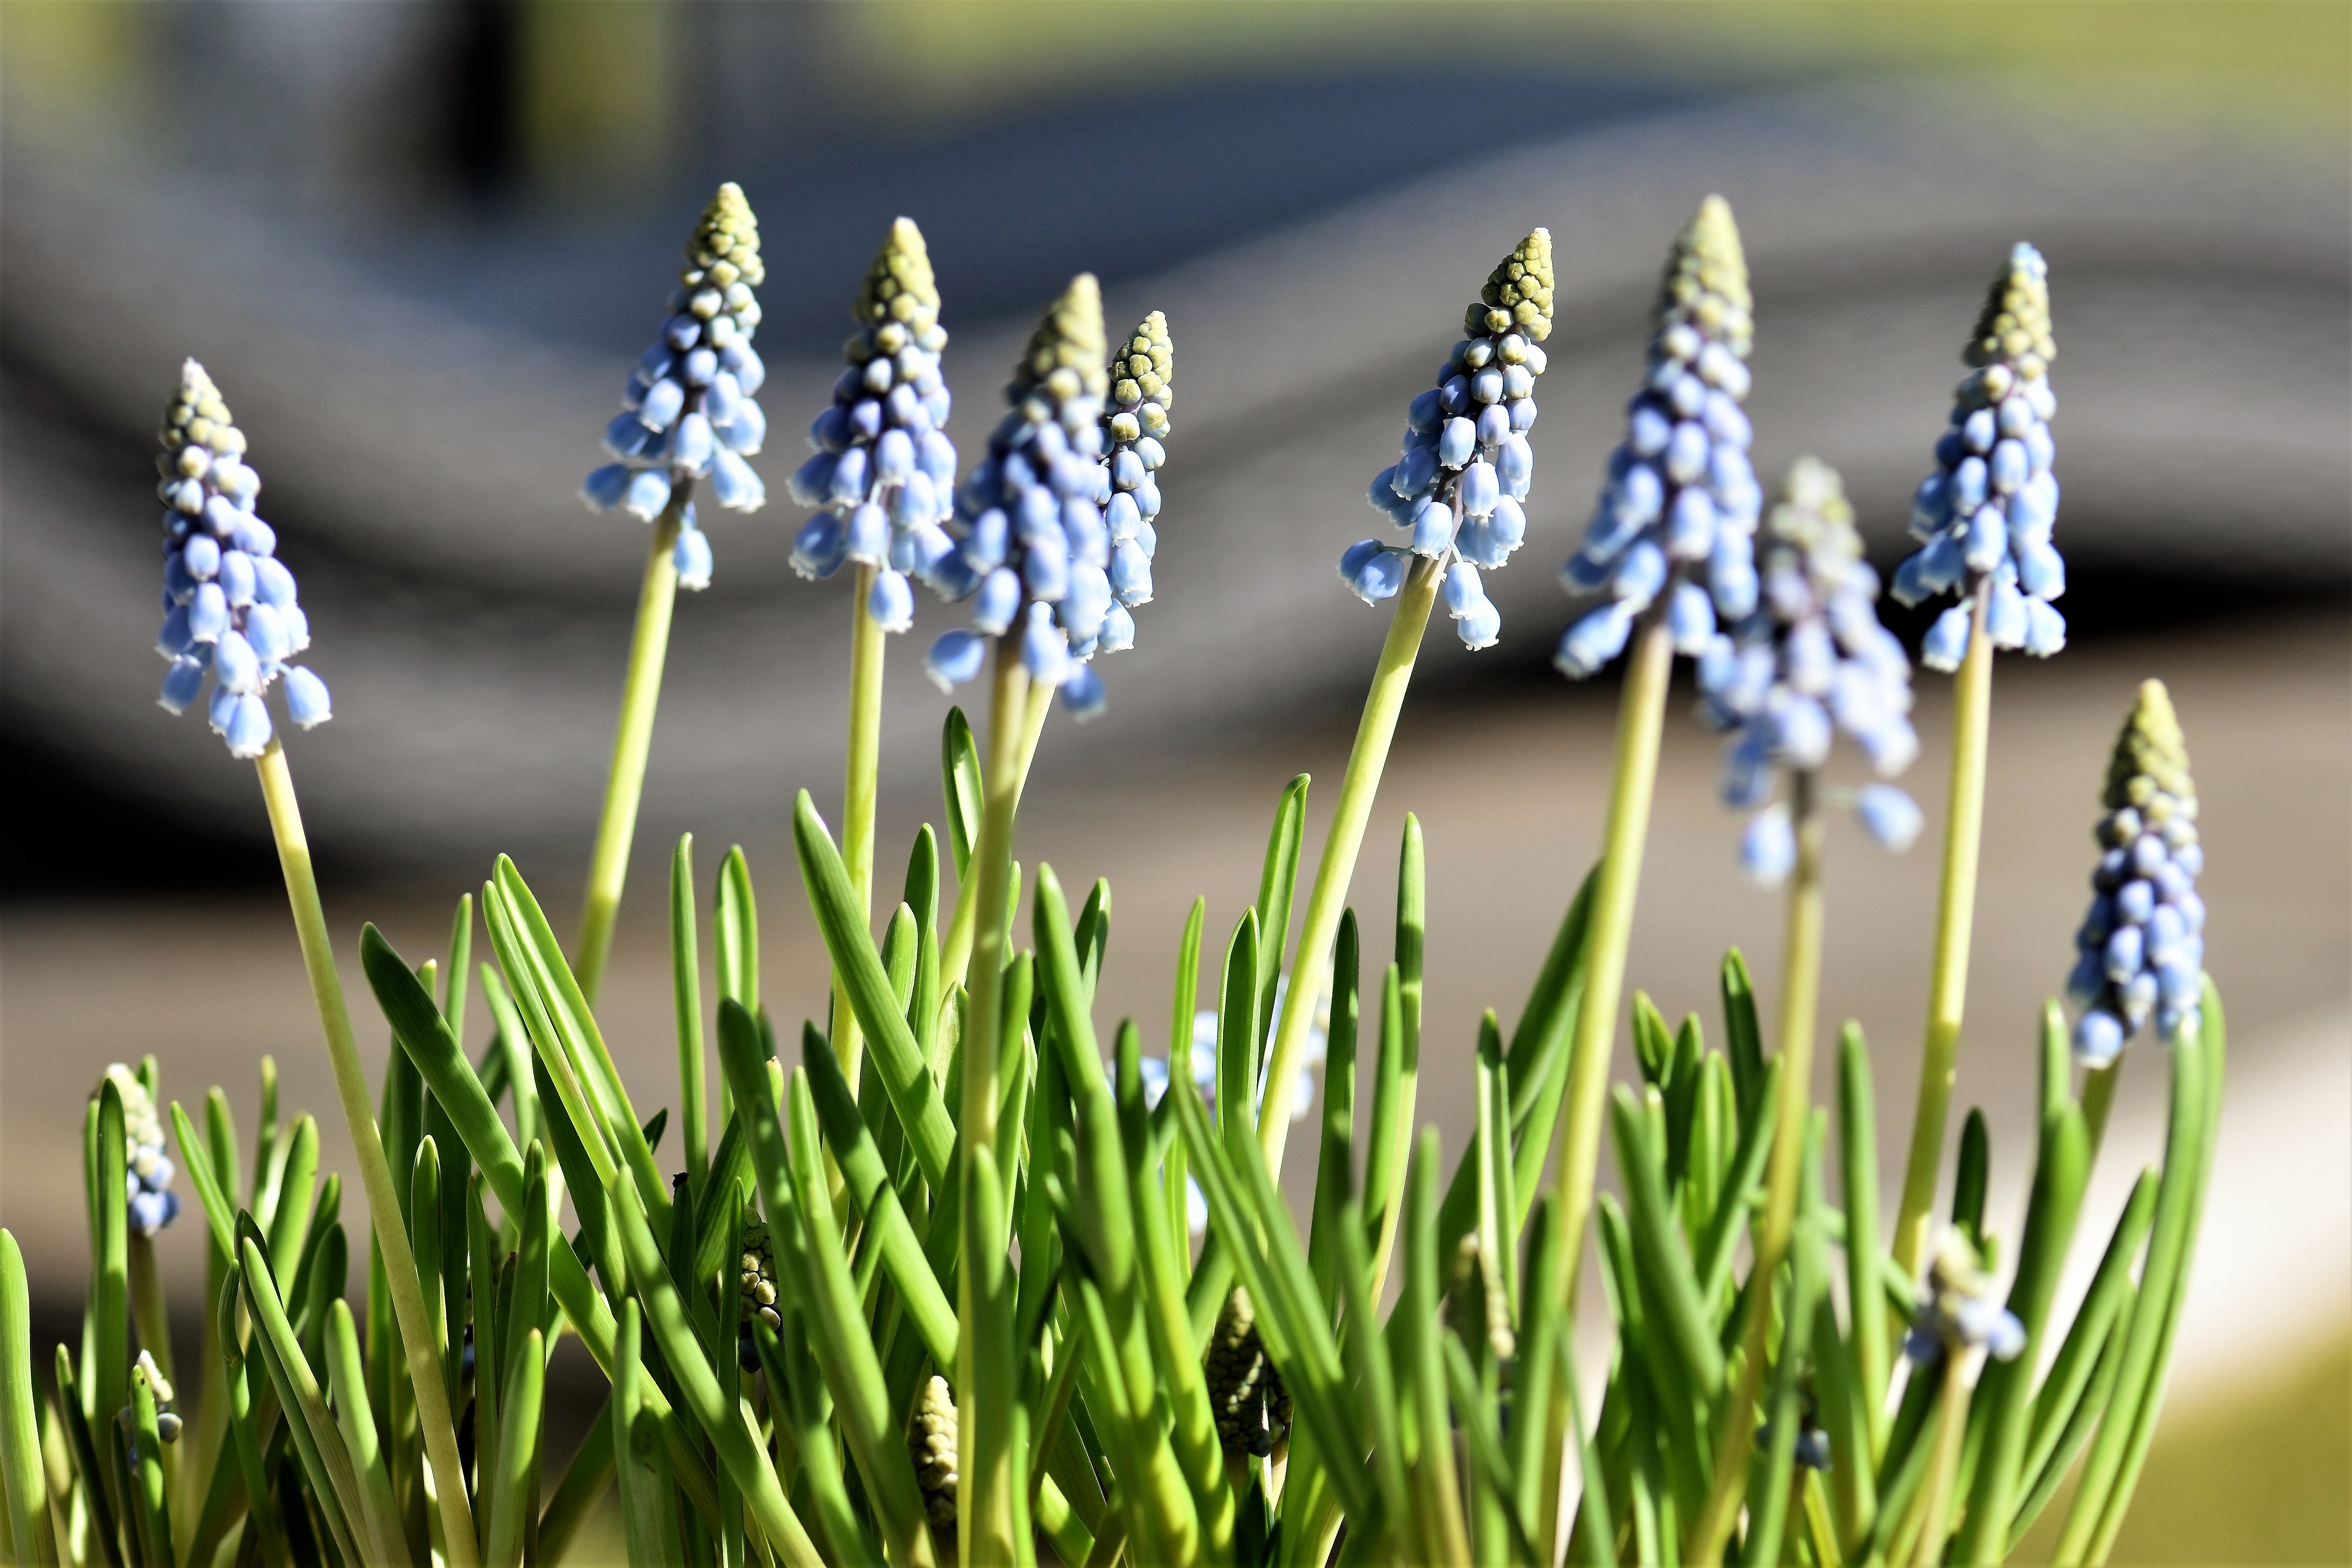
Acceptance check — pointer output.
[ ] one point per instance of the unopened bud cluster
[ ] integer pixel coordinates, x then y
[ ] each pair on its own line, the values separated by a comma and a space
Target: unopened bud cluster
932, 1440
1959, 1307
1809, 661
147, 1168
1246, 1395
2143, 944
755, 1294
1031, 532
229, 603
1680, 495
884, 469
688, 411
1987, 511
1456, 490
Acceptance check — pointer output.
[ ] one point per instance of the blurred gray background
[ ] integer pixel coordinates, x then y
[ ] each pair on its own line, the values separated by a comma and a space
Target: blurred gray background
418, 246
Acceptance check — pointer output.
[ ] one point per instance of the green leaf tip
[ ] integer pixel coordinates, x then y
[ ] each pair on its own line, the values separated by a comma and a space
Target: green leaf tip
2013, 328
900, 286
1705, 282
1518, 295
725, 249
2151, 760
1067, 351
1142, 381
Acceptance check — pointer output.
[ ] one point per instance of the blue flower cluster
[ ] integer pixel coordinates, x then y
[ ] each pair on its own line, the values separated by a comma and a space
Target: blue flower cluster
2143, 943
1808, 660
1466, 465
1987, 511
884, 469
147, 1168
1033, 547
686, 412
1958, 1309
228, 602
1135, 425
1680, 491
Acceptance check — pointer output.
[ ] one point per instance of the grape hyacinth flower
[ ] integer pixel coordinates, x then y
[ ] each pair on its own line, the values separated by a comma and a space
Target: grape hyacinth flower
1456, 491
1681, 496
1960, 1310
688, 411
1135, 427
884, 470
229, 603
2143, 943
147, 1167
1986, 513
1809, 660
1033, 550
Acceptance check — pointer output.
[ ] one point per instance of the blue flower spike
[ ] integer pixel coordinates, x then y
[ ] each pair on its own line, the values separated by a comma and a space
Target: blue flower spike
883, 469
2142, 945
1031, 546
1959, 1309
1985, 515
688, 411
229, 603
1456, 491
1134, 435
1807, 662
147, 1166
1680, 501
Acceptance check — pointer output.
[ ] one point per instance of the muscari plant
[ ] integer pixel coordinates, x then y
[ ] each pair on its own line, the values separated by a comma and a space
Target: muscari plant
932, 1291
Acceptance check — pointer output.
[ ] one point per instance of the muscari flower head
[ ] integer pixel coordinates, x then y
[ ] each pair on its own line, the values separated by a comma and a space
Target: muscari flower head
755, 1293
1987, 511
1135, 427
1455, 492
884, 469
1032, 548
1680, 495
147, 1168
1959, 1309
1808, 661
228, 602
931, 1438
686, 412
1252, 1407
2143, 943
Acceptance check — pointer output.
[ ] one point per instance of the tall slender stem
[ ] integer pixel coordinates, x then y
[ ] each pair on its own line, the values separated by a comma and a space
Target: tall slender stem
864, 772
375, 1172
1640, 723
1955, 909
1358, 786
985, 1499
1800, 975
1944, 1462
624, 782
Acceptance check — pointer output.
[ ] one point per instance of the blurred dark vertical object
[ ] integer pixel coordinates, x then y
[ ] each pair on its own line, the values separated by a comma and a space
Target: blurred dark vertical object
479, 104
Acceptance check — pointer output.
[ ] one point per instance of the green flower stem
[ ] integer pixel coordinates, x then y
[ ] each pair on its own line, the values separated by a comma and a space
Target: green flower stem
984, 1501
1801, 976
1308, 971
625, 783
1944, 1472
375, 1172
1956, 907
858, 792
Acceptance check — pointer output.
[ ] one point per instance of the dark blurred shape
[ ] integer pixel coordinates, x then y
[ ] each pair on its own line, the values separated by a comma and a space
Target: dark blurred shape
479, 96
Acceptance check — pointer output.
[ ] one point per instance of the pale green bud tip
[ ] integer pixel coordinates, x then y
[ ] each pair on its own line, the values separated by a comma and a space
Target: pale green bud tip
725, 249
2014, 329
932, 1440
2151, 757
1143, 373
1518, 295
1706, 281
1066, 353
1814, 516
901, 287
196, 417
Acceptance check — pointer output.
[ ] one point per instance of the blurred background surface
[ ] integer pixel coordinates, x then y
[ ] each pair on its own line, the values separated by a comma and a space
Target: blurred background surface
419, 244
